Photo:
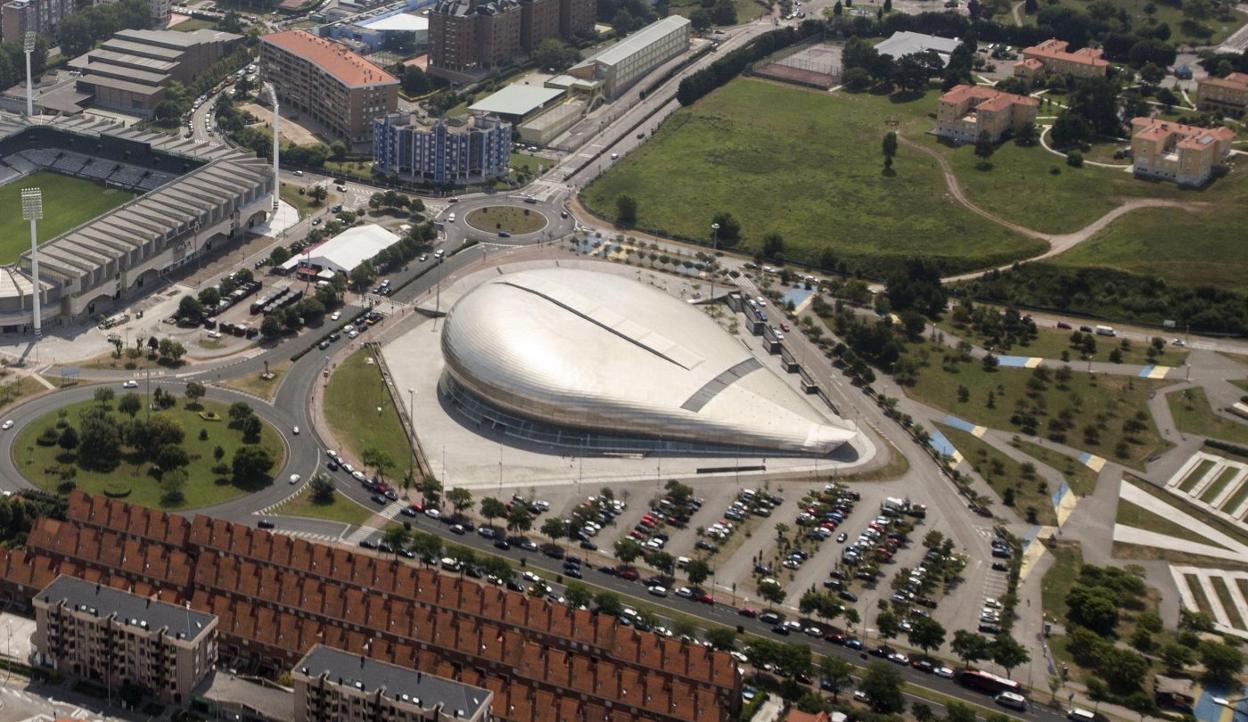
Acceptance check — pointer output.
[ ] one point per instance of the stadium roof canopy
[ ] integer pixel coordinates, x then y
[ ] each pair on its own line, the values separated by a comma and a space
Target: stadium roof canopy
598, 351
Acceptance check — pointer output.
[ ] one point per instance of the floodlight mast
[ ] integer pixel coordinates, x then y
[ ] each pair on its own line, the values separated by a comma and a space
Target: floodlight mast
28, 46
277, 181
32, 210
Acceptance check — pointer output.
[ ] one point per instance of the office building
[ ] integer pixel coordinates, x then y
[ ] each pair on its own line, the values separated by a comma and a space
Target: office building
18, 17
444, 151
115, 638
469, 37
968, 110
1228, 96
278, 596
1185, 154
161, 10
1052, 58
334, 686
328, 83
624, 63
130, 71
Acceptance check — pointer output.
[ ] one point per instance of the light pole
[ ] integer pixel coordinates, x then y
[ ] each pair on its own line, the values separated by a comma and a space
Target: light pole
411, 415
711, 265
277, 181
28, 46
32, 210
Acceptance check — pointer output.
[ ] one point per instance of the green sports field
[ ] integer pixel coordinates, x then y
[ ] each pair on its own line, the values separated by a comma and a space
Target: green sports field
67, 202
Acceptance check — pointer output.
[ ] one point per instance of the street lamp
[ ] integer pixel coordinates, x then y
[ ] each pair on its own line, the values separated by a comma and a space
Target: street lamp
28, 47
711, 265
32, 210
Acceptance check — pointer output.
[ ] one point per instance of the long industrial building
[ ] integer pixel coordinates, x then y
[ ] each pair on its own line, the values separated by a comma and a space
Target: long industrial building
194, 200
327, 82
276, 597
620, 65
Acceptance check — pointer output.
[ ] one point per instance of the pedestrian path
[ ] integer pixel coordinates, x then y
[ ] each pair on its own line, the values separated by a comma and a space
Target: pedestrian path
1155, 372
314, 536
363, 532
1216, 544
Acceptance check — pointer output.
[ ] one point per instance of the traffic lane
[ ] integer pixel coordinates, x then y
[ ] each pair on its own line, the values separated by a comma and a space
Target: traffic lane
718, 613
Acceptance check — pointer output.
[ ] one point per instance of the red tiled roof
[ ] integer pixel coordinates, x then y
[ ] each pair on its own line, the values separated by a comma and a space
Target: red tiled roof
986, 95
334, 58
1055, 49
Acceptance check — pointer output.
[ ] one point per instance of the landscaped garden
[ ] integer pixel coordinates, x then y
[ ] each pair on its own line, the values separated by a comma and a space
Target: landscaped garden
184, 452
325, 504
1017, 485
361, 414
506, 219
1193, 415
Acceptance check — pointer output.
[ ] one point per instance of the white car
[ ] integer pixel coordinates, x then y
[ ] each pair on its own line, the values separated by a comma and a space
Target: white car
358, 475
214, 334
657, 590
347, 468
433, 513
295, 430
335, 315
352, 333
294, 478
131, 384
944, 672
685, 592
6, 425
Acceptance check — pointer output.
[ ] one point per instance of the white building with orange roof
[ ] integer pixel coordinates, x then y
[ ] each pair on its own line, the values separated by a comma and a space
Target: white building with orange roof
968, 110
1186, 154
1052, 58
1228, 95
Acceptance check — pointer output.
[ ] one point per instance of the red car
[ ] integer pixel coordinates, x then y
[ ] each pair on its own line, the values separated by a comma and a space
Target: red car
629, 574
705, 598
748, 612
784, 327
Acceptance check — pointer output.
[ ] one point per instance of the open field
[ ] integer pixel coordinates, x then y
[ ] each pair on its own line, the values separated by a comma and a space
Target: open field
723, 154
1171, 15
340, 508
353, 398
1105, 402
506, 219
1080, 478
67, 202
203, 487
528, 164
1031, 497
1051, 342
1058, 580
1193, 415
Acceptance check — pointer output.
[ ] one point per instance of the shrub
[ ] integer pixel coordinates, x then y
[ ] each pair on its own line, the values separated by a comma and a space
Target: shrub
48, 437
1074, 159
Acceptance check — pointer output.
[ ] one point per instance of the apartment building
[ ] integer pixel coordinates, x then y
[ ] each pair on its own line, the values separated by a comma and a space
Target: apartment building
334, 686
624, 63
1052, 58
469, 37
277, 596
1185, 154
1228, 96
444, 151
17, 17
328, 83
94, 632
968, 110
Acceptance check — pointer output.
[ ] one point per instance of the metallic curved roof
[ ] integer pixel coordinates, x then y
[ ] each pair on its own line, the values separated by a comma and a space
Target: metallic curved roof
600, 351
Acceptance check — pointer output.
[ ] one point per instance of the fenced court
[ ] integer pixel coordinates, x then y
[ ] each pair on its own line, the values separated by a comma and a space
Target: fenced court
817, 66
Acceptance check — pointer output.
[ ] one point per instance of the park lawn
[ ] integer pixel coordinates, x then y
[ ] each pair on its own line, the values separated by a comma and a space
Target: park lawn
1227, 527
1204, 248
1137, 516
509, 219
1194, 416
723, 155
1117, 397
301, 201
1194, 476
203, 487
1080, 479
67, 203
1049, 343
528, 164
1217, 485
14, 390
341, 508
1060, 578
1224, 596
1171, 15
1001, 472
355, 392
256, 385
361, 168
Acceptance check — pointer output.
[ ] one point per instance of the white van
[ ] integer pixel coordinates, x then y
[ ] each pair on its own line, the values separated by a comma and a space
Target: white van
1080, 715
1105, 331
1012, 700
451, 218
682, 562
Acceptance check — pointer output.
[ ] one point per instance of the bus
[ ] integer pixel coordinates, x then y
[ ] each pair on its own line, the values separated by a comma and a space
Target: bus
987, 683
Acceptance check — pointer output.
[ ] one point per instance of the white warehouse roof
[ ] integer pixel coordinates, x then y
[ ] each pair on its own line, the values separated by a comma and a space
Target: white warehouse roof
516, 100
403, 22
602, 352
903, 43
346, 250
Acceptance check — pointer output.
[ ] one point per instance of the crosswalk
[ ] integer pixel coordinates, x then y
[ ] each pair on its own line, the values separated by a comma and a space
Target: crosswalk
312, 536
63, 710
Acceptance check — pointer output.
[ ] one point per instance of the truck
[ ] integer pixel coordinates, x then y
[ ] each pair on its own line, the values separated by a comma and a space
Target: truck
897, 505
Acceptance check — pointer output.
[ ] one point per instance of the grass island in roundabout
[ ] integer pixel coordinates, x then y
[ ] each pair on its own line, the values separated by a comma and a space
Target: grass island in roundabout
515, 220
187, 455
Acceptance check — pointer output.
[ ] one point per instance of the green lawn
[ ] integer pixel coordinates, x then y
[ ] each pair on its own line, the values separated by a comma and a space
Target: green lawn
67, 202
529, 164
1050, 343
1171, 15
301, 201
203, 487
1032, 498
340, 508
1232, 503
1229, 528
351, 401
1079, 477
1086, 400
1058, 580
1137, 516
1193, 415
1195, 475
509, 219
193, 24
1217, 485
256, 385
1224, 596
725, 154
1198, 594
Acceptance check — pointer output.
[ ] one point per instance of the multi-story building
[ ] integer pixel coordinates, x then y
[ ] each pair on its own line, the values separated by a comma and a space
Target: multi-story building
1228, 96
328, 83
17, 17
467, 37
277, 596
1052, 58
1185, 154
449, 151
130, 71
968, 110
334, 686
92, 631
161, 10
624, 63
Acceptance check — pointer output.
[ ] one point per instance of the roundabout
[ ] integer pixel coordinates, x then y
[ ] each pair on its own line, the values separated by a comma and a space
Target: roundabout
512, 220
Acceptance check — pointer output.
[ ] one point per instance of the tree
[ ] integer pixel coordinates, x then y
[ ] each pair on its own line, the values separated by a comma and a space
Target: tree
926, 634
210, 297
1095, 608
519, 519
171, 350
251, 464
722, 638
773, 245
700, 19
889, 149
1027, 135
99, 440
171, 456
414, 81
729, 233
430, 489
318, 193
238, 412
697, 571
321, 488
1152, 73
627, 549
577, 594
396, 536
553, 55
970, 647
554, 528
1222, 662
959, 712
362, 275
608, 603
379, 459
460, 498
68, 439
1008, 653
856, 79
836, 673
888, 626
194, 392
492, 508
771, 592
426, 546
882, 685
1069, 129
984, 149
191, 309
625, 211
103, 396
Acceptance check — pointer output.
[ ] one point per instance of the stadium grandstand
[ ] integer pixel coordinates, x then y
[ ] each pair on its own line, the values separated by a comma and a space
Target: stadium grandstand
193, 200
